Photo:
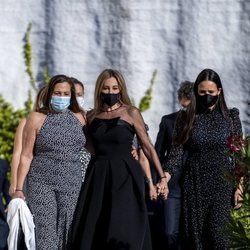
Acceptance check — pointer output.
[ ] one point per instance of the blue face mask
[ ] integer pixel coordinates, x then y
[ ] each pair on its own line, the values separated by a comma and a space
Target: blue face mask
60, 103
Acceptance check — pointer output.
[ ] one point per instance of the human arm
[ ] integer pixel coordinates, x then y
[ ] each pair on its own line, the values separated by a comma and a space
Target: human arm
238, 195
30, 131
174, 160
148, 149
147, 172
89, 143
16, 155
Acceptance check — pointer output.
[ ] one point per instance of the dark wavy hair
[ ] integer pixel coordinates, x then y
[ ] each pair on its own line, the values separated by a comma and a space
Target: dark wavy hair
185, 119
47, 108
185, 90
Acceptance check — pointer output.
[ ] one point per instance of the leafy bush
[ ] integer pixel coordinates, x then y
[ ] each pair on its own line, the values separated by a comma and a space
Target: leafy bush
9, 120
239, 226
9, 117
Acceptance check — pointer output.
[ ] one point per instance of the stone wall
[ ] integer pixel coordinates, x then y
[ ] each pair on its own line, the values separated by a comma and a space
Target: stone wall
81, 38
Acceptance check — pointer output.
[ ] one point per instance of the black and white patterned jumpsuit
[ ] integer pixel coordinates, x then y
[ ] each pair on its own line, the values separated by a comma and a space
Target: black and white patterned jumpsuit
207, 193
55, 178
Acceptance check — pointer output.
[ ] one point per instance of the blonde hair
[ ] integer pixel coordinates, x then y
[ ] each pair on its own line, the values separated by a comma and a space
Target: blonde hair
104, 75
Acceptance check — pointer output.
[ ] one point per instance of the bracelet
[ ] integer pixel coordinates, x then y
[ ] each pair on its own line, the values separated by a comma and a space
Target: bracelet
148, 180
20, 190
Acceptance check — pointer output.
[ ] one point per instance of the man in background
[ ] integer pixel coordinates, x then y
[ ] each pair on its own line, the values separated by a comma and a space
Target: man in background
171, 208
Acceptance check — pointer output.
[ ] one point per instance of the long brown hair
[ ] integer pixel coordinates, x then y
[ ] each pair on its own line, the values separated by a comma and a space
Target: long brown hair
47, 108
185, 120
76, 81
106, 74
39, 102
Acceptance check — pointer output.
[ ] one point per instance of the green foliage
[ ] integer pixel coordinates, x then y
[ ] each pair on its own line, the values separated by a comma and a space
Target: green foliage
46, 76
27, 50
239, 226
28, 105
28, 57
9, 120
9, 117
146, 100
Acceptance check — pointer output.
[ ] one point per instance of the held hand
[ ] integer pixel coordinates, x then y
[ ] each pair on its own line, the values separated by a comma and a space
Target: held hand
18, 194
162, 188
238, 198
134, 153
152, 192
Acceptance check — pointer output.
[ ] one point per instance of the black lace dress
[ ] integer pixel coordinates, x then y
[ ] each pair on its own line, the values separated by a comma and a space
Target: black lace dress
111, 212
207, 194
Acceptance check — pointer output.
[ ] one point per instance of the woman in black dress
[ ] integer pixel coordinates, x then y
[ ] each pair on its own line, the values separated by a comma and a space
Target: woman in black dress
207, 194
111, 212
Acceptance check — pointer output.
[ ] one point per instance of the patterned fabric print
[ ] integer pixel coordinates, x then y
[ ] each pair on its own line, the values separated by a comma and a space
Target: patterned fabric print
206, 191
84, 158
54, 180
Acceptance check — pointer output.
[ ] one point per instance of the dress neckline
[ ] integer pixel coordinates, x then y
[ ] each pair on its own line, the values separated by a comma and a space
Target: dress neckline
114, 118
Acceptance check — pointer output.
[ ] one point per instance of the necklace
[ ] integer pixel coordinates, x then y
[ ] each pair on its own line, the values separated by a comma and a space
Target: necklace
106, 110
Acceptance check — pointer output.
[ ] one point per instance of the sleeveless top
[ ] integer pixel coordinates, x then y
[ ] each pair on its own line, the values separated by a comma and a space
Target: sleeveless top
57, 151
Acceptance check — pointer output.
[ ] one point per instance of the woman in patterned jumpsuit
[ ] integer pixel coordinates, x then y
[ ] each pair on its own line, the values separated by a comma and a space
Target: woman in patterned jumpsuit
52, 142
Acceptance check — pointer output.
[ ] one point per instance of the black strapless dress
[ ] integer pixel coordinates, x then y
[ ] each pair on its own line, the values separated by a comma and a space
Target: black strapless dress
111, 212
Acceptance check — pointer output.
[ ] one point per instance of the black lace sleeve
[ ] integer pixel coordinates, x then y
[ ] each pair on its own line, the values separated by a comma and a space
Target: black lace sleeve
135, 142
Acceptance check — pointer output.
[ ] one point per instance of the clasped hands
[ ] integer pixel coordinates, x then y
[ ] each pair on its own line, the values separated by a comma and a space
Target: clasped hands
160, 190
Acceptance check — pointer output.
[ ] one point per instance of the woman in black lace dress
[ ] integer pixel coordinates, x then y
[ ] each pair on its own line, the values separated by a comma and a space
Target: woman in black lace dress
207, 194
111, 212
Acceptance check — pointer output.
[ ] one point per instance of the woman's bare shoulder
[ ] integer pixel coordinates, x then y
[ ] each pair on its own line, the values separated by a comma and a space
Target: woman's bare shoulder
22, 123
36, 115
132, 110
81, 116
35, 118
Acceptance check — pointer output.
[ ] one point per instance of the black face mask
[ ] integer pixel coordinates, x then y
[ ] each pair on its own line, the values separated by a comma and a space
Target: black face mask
110, 99
204, 102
